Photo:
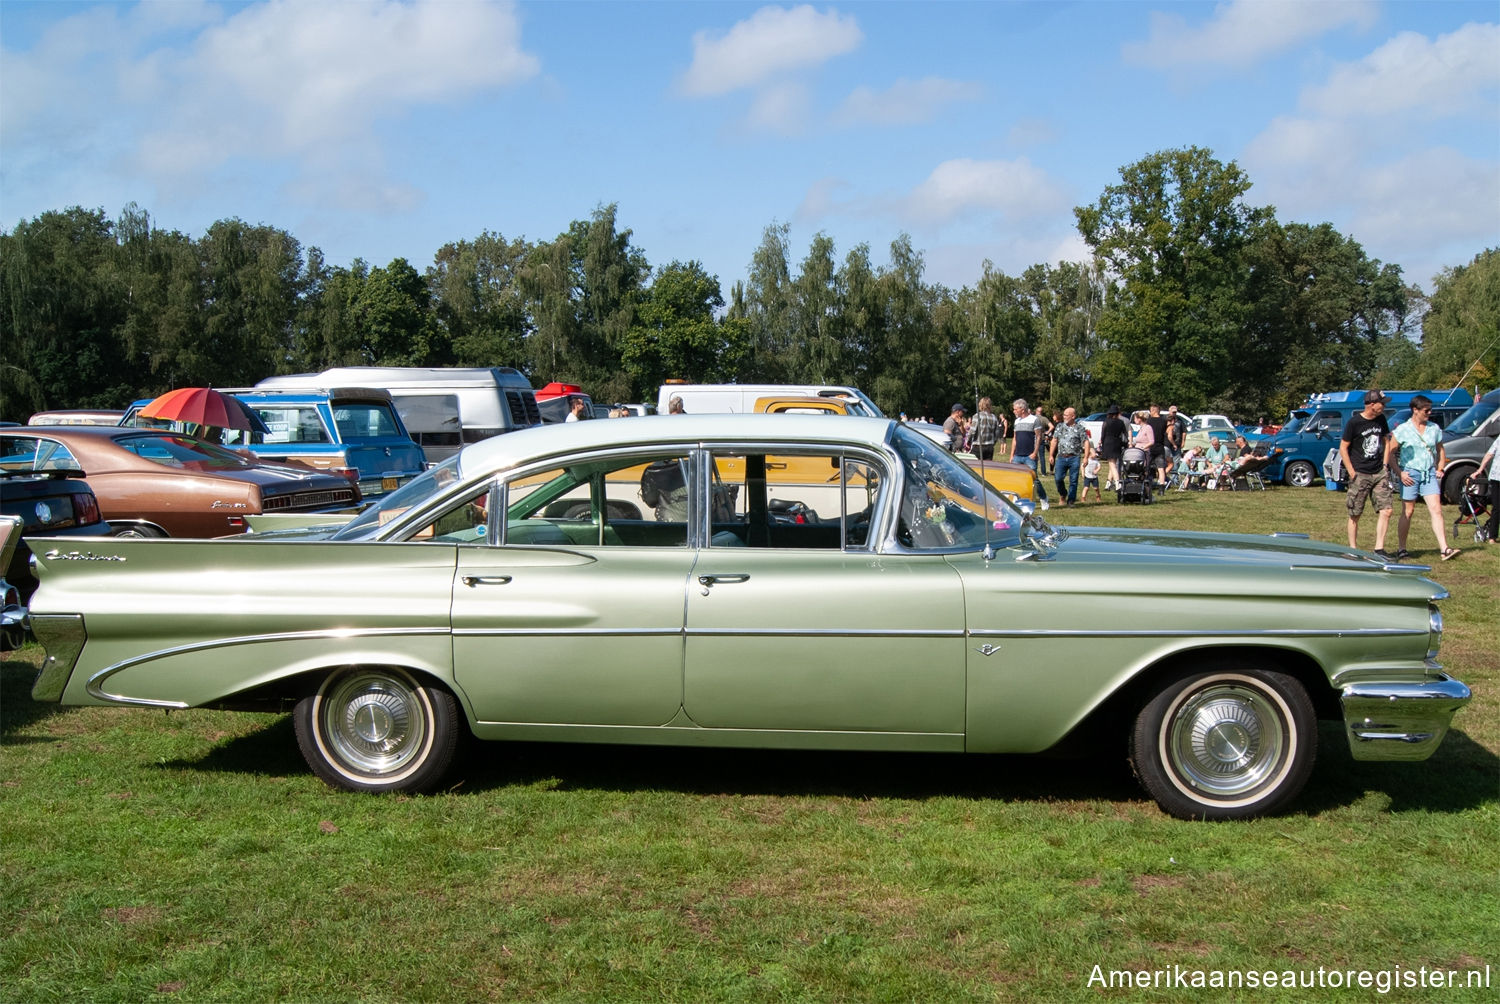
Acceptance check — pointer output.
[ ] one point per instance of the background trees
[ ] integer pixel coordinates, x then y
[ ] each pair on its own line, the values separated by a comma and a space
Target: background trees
1193, 296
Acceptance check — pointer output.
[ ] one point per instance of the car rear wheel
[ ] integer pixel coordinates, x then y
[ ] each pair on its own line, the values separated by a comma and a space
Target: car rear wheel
1300, 474
378, 729
1229, 743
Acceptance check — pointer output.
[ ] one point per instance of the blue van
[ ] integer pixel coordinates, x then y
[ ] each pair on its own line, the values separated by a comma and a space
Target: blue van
1299, 449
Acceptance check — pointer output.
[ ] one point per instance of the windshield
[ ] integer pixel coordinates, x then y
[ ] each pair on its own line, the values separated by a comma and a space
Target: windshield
1471, 420
868, 407
415, 492
944, 504
1295, 423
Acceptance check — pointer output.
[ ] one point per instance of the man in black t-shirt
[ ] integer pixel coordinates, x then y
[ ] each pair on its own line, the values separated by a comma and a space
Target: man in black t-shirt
1362, 449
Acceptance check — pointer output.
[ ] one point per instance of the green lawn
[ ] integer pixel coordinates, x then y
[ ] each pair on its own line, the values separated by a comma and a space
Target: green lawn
192, 856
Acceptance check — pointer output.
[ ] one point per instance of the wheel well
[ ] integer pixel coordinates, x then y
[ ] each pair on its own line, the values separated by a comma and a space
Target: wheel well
137, 524
1113, 717
282, 695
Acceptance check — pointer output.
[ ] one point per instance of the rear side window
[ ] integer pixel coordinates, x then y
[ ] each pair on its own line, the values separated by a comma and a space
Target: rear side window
292, 424
29, 453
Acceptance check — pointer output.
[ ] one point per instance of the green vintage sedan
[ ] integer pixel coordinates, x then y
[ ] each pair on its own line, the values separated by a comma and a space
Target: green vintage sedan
760, 581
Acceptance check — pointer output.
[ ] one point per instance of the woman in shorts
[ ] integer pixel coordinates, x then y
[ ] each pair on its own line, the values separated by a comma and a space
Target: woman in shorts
1422, 462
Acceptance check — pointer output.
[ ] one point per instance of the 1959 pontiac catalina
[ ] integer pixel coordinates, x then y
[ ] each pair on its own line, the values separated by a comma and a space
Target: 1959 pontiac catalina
749, 580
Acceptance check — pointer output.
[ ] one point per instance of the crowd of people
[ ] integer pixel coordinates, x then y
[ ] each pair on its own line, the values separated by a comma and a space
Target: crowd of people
1063, 446
1381, 461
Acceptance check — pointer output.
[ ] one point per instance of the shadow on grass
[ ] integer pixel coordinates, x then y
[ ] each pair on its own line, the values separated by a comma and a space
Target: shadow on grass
1461, 776
270, 752
17, 710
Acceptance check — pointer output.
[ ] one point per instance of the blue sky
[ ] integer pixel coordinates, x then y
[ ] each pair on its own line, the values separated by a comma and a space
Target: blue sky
378, 129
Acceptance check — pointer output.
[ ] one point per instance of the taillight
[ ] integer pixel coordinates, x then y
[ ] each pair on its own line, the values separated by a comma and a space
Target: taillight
350, 473
86, 509
238, 524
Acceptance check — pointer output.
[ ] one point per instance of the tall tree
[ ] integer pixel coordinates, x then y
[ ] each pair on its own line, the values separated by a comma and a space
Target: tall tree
61, 301
768, 303
1461, 332
478, 300
1175, 232
675, 335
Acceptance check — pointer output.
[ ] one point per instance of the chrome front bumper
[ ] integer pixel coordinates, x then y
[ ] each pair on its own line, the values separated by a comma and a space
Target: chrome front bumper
1400, 721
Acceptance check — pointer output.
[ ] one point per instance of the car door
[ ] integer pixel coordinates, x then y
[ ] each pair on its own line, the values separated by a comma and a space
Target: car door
576, 619
796, 625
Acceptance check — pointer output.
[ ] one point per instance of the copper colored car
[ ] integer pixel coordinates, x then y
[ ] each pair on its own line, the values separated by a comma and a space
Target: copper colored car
158, 483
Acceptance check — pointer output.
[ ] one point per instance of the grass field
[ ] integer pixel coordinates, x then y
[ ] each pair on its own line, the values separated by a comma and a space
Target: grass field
193, 857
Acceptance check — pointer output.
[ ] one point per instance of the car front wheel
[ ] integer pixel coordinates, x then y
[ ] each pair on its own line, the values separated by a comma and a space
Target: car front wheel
1225, 744
378, 729
1455, 480
1300, 474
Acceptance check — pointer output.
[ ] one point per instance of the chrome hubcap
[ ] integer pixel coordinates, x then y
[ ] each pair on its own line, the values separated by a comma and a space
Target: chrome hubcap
374, 722
1226, 740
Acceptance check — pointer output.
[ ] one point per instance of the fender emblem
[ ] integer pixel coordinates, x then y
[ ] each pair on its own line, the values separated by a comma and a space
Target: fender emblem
987, 649
80, 556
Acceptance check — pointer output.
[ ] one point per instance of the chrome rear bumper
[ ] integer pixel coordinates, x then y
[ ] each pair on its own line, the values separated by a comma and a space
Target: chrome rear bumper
1400, 721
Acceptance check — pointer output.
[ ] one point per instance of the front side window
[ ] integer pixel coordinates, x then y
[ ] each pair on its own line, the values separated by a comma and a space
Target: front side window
797, 499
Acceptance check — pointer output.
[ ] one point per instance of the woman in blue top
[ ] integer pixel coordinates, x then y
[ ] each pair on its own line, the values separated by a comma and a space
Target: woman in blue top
1422, 461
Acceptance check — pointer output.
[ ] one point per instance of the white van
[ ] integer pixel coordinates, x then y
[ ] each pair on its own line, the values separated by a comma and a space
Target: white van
443, 408
717, 398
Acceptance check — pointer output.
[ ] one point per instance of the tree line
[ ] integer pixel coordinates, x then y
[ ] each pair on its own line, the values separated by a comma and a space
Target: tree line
1193, 296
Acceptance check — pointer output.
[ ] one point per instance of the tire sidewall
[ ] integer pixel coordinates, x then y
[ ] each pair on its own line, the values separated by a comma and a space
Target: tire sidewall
1153, 762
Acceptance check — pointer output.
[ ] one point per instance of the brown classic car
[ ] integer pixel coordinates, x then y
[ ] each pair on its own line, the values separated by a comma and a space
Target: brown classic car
158, 483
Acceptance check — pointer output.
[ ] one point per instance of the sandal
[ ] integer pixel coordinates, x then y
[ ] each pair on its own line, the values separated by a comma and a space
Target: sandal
1449, 554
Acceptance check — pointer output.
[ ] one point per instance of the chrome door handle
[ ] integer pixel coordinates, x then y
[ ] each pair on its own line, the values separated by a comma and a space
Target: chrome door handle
709, 580
485, 580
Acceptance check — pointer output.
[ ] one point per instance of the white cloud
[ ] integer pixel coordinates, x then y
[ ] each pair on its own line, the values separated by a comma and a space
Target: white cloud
771, 42
1403, 201
963, 187
1455, 73
1242, 32
171, 92
906, 102
781, 109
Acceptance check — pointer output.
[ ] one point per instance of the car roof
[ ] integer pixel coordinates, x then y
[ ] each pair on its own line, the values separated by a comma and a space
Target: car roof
512, 448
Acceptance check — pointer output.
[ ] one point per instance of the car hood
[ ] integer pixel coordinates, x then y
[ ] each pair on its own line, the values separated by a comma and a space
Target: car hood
1233, 564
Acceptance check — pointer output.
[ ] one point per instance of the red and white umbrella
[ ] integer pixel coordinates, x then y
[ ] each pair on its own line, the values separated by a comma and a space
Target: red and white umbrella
204, 406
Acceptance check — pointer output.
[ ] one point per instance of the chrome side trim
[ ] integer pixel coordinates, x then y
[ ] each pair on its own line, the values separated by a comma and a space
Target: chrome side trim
1197, 633
62, 635
96, 682
1400, 721
567, 632
826, 633
571, 632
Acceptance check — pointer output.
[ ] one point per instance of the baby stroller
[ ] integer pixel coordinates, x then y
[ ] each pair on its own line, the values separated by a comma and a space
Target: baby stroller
1473, 507
1135, 477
